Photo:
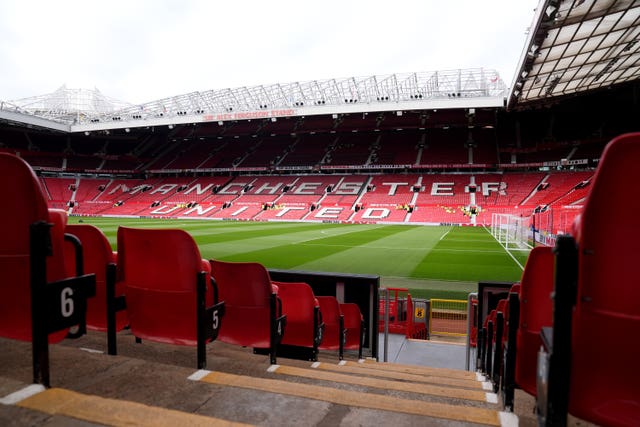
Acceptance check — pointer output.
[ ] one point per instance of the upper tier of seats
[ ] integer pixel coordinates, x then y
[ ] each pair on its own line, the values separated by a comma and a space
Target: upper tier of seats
443, 140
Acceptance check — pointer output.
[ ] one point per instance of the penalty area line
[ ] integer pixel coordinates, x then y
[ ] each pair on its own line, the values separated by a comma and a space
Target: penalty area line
445, 234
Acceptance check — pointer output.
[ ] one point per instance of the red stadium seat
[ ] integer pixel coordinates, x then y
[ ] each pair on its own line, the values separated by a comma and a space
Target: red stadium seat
56, 264
304, 324
606, 317
510, 345
502, 316
169, 297
486, 357
97, 256
354, 327
21, 191
592, 349
253, 314
39, 301
334, 332
535, 312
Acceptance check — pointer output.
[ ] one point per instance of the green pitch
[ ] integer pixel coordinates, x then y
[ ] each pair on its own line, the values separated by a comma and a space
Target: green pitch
434, 262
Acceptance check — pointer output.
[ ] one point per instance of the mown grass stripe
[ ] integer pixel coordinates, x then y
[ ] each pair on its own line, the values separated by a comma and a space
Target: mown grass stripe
413, 253
294, 255
490, 263
391, 255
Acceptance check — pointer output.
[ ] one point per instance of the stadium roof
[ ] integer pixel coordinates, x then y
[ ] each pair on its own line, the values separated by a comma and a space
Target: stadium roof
576, 46
85, 111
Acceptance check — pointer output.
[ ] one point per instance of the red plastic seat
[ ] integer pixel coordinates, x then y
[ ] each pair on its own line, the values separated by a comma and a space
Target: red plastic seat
24, 204
605, 381
97, 255
535, 312
354, 327
160, 271
253, 316
508, 383
302, 309
334, 332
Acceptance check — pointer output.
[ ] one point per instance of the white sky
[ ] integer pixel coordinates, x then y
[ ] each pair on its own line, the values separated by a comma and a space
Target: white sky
143, 50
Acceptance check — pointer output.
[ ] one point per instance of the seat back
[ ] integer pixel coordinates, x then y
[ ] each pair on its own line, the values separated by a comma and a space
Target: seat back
353, 325
246, 289
536, 309
333, 323
606, 318
56, 263
24, 204
299, 304
97, 254
158, 270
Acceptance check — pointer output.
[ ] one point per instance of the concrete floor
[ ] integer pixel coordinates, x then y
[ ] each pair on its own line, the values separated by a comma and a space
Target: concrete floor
149, 378
436, 352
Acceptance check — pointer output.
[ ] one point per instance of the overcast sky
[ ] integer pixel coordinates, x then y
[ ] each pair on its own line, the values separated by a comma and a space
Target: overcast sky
143, 50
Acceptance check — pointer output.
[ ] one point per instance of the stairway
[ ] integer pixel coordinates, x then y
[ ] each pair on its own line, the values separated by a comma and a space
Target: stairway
156, 384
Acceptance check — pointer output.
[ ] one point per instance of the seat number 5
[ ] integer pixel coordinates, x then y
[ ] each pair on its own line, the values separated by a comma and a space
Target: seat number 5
216, 319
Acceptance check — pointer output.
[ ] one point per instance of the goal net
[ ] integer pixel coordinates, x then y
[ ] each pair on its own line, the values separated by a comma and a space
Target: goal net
511, 231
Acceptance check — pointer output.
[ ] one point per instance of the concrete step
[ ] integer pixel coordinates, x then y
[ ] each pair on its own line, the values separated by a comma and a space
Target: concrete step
92, 388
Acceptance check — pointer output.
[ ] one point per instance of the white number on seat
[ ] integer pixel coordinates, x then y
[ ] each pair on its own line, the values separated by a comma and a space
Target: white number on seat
216, 319
66, 302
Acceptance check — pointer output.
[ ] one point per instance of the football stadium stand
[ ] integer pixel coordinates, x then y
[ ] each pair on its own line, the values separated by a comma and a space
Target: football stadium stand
556, 150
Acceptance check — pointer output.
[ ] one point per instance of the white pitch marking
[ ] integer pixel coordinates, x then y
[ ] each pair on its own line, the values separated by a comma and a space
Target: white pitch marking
445, 234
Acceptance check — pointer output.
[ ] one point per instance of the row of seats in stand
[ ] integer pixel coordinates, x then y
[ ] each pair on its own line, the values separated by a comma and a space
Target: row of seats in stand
571, 323
591, 350
160, 272
157, 284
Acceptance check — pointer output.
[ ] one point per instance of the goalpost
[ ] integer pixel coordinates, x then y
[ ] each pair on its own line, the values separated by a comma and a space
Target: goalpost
511, 231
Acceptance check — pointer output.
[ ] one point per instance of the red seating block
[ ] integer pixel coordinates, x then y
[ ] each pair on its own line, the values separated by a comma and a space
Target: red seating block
39, 302
302, 309
170, 298
97, 255
21, 191
253, 317
535, 312
354, 327
334, 332
605, 382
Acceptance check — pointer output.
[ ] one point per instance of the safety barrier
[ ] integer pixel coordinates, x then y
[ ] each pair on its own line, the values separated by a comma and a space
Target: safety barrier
448, 317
